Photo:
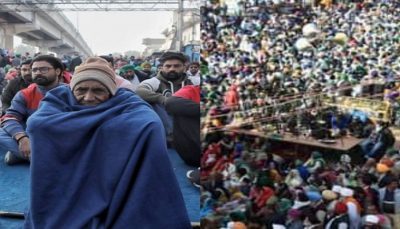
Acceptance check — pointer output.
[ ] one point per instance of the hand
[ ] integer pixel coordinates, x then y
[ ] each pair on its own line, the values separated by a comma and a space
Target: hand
24, 147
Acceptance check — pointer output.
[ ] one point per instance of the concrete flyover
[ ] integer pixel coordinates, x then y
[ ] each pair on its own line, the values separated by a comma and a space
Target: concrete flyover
48, 30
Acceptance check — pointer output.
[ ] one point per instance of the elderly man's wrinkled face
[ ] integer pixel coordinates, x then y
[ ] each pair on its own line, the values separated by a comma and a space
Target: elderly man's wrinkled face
91, 93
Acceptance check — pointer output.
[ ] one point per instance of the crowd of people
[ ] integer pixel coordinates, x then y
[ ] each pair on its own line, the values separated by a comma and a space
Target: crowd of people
125, 105
259, 54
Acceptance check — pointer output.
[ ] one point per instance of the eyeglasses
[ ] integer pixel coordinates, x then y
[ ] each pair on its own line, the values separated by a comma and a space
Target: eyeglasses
41, 69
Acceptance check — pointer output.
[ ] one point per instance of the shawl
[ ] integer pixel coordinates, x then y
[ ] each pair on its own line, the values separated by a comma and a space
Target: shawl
103, 166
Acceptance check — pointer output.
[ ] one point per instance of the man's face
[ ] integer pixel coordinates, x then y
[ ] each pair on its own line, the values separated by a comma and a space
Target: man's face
91, 93
193, 69
172, 69
26, 72
129, 74
44, 74
147, 68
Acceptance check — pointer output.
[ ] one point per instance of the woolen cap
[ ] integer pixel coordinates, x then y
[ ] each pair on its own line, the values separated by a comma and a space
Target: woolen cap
95, 68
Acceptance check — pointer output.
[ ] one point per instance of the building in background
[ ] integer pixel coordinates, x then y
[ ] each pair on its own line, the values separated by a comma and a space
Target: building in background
152, 45
190, 43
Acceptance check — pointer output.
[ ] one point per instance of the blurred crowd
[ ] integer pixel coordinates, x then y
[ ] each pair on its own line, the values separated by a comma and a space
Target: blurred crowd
257, 54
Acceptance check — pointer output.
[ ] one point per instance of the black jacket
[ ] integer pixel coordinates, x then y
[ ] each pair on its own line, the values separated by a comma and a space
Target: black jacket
157, 89
186, 115
14, 86
141, 75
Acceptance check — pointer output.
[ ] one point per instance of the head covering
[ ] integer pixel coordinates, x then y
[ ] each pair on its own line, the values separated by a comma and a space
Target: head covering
386, 161
345, 158
278, 226
371, 219
191, 92
340, 208
95, 68
329, 195
237, 195
382, 168
336, 188
346, 192
127, 67
144, 64
236, 225
313, 196
284, 205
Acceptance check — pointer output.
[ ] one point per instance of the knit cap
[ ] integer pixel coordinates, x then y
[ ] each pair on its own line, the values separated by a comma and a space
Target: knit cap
95, 68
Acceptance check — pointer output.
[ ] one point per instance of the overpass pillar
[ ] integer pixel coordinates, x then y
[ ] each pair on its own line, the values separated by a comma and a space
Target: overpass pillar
9, 41
6, 38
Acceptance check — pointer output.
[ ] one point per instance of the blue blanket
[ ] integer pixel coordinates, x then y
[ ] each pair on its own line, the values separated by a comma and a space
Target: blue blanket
101, 167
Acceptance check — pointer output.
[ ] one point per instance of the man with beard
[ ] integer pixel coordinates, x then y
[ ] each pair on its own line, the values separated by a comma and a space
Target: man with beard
146, 68
132, 75
15, 85
170, 79
46, 74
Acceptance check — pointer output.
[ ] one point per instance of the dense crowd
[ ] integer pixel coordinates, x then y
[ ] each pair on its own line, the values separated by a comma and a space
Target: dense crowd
260, 54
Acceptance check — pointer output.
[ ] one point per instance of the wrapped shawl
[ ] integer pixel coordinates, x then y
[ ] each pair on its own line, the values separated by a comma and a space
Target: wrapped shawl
104, 166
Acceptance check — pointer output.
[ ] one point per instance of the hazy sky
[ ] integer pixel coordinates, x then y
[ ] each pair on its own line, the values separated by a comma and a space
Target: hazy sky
109, 32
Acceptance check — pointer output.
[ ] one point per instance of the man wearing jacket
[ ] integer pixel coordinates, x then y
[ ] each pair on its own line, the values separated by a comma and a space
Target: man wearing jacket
169, 80
389, 200
15, 85
46, 74
184, 106
378, 142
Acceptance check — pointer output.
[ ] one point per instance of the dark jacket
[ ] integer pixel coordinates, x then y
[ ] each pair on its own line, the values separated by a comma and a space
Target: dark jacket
156, 89
142, 76
74, 63
14, 86
186, 132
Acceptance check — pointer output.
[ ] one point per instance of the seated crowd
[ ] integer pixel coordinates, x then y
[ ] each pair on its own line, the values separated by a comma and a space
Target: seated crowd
257, 57
114, 118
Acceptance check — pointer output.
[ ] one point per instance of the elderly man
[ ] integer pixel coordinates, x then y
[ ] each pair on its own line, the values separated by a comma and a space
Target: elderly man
46, 75
99, 159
